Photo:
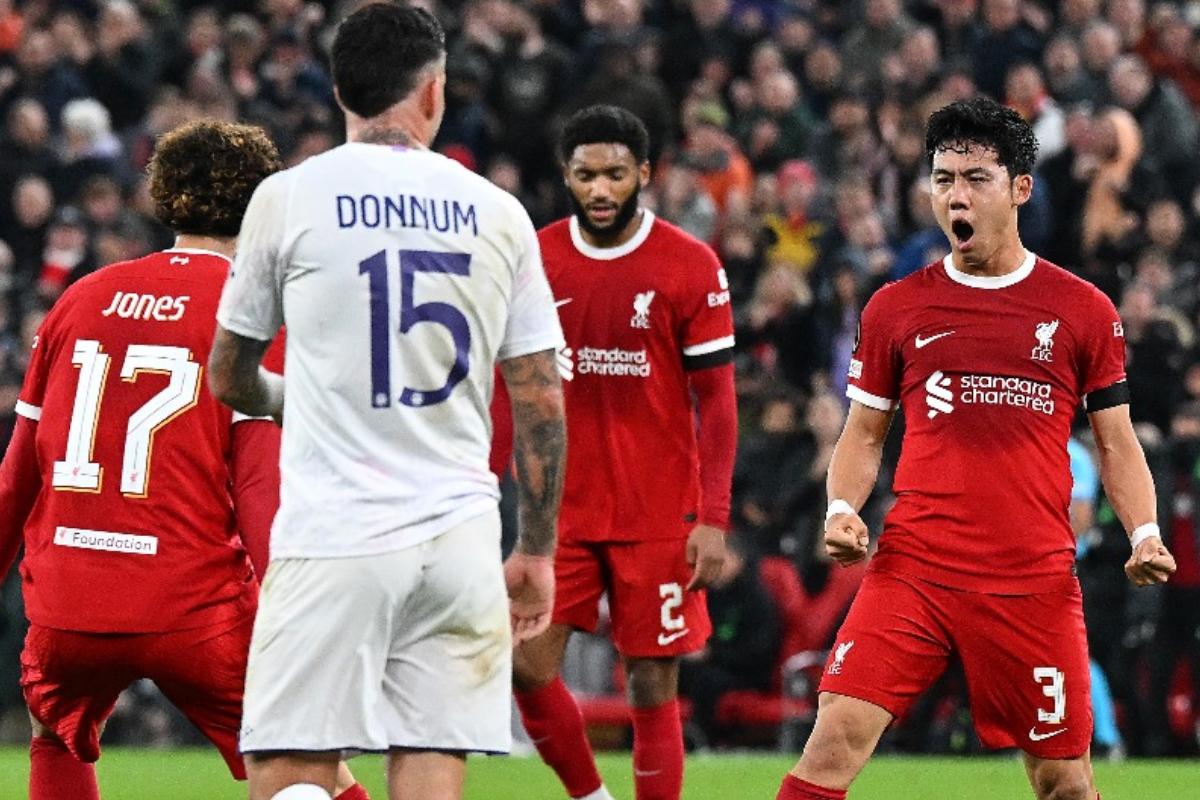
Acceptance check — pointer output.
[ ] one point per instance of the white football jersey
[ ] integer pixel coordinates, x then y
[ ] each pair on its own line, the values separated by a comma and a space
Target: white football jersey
402, 278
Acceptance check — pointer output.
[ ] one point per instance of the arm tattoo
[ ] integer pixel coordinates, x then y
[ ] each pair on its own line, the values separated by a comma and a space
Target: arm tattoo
236, 379
539, 446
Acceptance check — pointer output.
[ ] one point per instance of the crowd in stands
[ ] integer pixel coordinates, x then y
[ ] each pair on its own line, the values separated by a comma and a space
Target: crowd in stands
789, 134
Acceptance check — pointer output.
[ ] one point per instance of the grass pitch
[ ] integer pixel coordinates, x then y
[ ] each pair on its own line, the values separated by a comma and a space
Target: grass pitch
200, 775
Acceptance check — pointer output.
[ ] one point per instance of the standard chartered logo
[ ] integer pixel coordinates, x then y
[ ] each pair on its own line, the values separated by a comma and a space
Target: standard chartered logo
986, 390
938, 395
607, 362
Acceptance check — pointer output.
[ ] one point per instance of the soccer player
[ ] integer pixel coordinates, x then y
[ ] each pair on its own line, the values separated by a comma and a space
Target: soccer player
645, 309
120, 474
403, 277
990, 353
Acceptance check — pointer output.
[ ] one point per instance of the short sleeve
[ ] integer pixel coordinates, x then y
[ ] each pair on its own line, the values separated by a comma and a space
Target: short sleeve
1102, 356
533, 323
33, 390
252, 301
707, 316
874, 376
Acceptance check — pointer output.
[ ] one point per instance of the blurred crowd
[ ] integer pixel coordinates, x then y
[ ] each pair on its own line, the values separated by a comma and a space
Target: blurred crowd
787, 133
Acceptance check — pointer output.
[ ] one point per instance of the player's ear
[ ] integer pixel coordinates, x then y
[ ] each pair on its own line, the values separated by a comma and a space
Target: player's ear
1022, 189
644, 174
338, 97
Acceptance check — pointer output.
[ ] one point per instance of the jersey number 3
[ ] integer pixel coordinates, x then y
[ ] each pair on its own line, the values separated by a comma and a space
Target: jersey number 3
411, 313
76, 471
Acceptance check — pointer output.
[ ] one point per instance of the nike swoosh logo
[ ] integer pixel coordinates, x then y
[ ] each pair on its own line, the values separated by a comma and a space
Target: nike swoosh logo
665, 639
1037, 737
922, 342
561, 303
646, 773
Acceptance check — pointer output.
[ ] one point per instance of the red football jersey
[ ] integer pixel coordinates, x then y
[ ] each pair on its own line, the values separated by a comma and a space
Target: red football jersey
989, 373
635, 318
134, 529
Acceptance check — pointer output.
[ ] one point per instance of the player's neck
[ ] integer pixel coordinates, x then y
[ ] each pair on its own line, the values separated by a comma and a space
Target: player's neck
396, 127
617, 239
216, 244
1008, 258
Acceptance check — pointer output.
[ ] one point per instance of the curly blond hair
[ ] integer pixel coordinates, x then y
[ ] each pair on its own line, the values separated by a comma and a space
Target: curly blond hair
202, 175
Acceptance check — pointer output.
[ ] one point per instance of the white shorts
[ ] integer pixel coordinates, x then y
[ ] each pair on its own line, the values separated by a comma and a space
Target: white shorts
409, 649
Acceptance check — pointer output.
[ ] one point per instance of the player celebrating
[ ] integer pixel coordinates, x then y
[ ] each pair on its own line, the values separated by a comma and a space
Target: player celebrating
404, 277
645, 309
990, 353
120, 472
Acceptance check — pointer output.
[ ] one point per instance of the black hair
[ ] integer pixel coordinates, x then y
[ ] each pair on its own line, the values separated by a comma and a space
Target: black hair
604, 125
378, 53
983, 121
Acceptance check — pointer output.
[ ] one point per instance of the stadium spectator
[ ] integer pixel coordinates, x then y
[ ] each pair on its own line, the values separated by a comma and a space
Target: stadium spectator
743, 651
1168, 123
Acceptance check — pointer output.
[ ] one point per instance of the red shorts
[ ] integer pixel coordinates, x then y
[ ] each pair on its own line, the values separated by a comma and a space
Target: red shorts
653, 615
71, 680
1025, 658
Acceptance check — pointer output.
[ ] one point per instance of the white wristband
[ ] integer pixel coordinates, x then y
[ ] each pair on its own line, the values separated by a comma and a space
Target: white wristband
1143, 532
838, 507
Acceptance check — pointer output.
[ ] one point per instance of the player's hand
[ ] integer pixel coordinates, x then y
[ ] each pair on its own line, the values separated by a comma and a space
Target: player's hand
1150, 563
706, 554
530, 583
846, 538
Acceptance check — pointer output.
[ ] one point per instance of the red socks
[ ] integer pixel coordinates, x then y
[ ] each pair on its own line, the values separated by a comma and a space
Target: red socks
658, 752
795, 789
355, 792
555, 724
55, 774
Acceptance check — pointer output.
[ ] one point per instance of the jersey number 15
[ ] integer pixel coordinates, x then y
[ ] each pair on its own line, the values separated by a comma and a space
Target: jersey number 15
412, 313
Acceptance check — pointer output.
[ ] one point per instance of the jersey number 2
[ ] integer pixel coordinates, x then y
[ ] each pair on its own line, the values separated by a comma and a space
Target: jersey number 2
77, 471
411, 313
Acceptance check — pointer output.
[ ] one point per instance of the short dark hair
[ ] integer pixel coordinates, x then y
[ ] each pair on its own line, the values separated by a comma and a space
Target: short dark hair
604, 125
983, 121
378, 53
203, 174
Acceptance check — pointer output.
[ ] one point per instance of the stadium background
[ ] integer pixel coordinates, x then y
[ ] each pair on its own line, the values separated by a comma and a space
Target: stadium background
788, 134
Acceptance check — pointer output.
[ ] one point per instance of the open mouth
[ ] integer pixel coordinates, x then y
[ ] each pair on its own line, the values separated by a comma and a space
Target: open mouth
962, 230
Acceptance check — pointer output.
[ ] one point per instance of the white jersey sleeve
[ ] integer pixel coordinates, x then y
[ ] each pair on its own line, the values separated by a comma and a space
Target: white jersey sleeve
533, 323
252, 302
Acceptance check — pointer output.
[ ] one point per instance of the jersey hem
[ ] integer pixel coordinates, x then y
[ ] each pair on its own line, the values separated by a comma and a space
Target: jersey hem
394, 542
911, 568
711, 346
29, 410
245, 331
530, 346
869, 400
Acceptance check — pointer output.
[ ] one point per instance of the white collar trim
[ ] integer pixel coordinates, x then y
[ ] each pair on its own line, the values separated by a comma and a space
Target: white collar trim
611, 253
198, 251
991, 281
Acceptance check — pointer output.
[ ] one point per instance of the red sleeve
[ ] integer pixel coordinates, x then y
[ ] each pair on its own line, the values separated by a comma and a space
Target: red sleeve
716, 402
502, 429
707, 334
20, 483
874, 377
1102, 362
255, 471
